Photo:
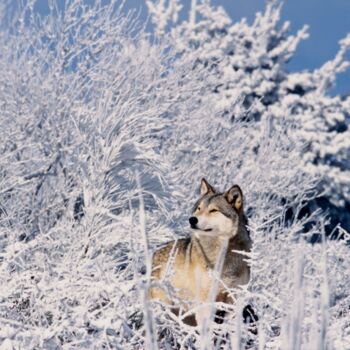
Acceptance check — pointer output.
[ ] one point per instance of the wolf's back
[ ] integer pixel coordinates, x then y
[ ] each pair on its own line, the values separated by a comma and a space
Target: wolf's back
172, 249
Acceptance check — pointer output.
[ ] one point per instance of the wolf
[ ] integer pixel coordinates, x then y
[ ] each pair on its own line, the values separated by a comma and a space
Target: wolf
219, 240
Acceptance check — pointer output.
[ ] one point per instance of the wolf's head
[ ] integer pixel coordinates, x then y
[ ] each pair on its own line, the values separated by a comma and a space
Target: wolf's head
217, 214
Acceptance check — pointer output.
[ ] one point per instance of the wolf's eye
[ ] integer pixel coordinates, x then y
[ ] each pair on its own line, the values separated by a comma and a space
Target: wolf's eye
198, 208
212, 211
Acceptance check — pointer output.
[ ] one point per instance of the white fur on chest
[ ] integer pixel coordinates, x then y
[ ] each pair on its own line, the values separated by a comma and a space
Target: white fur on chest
203, 282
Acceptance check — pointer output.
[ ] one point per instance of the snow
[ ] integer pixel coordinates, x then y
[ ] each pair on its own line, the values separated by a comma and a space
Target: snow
105, 133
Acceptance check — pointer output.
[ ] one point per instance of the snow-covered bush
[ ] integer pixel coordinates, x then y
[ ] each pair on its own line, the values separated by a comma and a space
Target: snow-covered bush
84, 94
248, 62
104, 136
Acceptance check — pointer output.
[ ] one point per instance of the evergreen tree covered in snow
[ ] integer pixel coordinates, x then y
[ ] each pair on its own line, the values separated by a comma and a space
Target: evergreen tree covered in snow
249, 63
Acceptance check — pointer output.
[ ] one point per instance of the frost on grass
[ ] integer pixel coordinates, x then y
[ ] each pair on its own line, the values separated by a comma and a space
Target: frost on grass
89, 100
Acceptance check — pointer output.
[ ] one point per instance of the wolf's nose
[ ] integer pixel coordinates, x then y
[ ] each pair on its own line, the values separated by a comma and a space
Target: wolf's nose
193, 221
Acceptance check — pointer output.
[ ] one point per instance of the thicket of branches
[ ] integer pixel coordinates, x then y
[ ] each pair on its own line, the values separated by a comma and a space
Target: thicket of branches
105, 132
249, 63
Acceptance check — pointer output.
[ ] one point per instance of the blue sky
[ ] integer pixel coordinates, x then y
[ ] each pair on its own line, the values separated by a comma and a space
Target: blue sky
328, 20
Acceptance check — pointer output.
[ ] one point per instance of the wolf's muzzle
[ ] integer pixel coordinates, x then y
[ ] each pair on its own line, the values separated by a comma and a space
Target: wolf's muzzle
193, 221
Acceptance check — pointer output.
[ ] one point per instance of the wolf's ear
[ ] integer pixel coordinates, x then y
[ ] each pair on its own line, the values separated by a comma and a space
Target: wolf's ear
206, 188
235, 197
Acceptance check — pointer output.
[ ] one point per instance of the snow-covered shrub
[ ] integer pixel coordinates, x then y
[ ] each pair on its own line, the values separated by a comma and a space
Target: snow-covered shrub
104, 136
248, 62
84, 94
83, 97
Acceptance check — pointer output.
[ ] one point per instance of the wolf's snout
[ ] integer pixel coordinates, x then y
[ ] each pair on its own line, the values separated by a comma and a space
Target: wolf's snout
193, 221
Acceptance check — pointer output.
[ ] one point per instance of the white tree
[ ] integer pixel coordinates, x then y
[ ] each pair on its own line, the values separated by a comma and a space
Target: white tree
88, 101
84, 94
249, 62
